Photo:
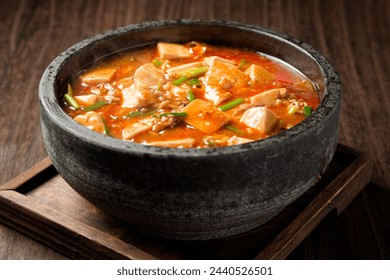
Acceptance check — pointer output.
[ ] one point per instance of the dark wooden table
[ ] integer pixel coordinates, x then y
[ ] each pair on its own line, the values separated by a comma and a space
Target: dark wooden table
353, 34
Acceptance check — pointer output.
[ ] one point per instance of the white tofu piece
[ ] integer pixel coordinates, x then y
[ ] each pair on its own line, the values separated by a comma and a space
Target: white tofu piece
85, 100
98, 76
209, 60
148, 75
179, 143
216, 95
205, 116
172, 51
225, 76
267, 98
137, 98
259, 75
234, 140
92, 120
176, 70
132, 130
260, 118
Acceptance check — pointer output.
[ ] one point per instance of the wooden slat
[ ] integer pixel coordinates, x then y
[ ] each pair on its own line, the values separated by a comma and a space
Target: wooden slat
51, 212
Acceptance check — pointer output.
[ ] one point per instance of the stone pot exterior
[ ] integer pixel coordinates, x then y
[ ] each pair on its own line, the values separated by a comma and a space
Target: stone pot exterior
191, 193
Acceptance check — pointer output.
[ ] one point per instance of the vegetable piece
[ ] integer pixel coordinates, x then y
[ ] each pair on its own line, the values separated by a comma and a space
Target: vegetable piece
242, 63
70, 90
172, 51
180, 80
267, 98
174, 114
176, 70
70, 100
307, 110
194, 72
260, 118
106, 128
194, 82
156, 62
205, 116
231, 104
233, 128
191, 96
140, 114
95, 106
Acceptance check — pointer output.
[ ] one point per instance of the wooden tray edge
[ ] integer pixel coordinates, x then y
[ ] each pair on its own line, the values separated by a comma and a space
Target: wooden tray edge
332, 197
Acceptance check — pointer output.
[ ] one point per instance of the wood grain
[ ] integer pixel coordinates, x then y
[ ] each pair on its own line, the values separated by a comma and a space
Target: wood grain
353, 34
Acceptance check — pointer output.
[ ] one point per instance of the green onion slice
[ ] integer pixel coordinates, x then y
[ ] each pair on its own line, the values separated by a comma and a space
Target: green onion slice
106, 128
156, 62
70, 100
233, 128
231, 104
175, 114
194, 82
140, 114
194, 72
95, 106
242, 63
70, 90
180, 80
191, 96
307, 110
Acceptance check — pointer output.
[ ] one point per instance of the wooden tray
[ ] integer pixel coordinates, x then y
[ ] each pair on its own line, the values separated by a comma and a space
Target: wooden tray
40, 204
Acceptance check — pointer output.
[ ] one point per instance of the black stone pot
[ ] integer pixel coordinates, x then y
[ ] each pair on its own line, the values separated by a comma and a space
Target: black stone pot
191, 193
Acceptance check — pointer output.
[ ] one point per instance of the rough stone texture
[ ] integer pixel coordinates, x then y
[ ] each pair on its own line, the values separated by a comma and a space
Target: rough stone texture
191, 193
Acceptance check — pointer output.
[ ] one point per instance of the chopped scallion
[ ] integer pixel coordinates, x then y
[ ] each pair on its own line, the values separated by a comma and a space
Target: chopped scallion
194, 72
70, 90
242, 63
175, 114
106, 128
307, 110
191, 96
140, 114
156, 62
179, 81
70, 100
194, 82
233, 128
95, 106
231, 104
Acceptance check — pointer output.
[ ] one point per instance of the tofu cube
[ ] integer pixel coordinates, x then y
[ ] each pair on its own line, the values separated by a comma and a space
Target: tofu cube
205, 116
92, 120
148, 75
267, 98
172, 51
260, 118
98, 76
259, 75
85, 100
225, 76
179, 143
132, 130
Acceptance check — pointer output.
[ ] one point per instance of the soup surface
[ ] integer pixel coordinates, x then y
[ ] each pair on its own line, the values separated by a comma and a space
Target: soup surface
191, 95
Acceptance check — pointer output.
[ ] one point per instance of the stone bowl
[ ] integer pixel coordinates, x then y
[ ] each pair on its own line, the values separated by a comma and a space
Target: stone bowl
191, 194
